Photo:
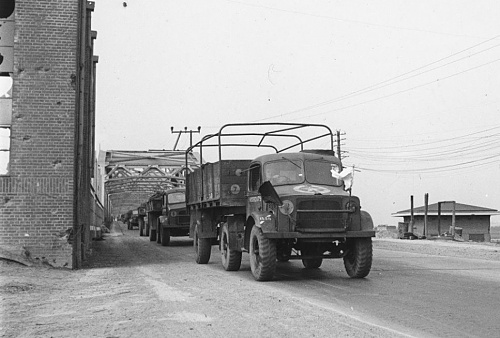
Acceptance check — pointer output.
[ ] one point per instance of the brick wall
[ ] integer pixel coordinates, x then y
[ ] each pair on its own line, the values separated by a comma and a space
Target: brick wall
36, 198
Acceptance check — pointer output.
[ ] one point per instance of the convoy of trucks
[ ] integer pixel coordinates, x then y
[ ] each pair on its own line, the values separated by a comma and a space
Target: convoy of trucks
293, 200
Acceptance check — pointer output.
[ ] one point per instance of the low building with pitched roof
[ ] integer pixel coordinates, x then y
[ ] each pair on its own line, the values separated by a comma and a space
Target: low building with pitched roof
473, 221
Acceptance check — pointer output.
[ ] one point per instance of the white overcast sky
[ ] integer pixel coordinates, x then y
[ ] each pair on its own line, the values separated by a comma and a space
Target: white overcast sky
414, 85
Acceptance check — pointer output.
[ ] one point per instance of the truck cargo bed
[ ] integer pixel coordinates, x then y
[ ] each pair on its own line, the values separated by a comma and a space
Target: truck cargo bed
217, 184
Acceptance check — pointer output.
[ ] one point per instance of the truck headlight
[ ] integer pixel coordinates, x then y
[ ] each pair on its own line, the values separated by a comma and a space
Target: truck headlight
351, 205
287, 207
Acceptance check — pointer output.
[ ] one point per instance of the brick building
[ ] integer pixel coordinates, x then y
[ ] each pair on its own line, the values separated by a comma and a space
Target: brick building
47, 202
473, 221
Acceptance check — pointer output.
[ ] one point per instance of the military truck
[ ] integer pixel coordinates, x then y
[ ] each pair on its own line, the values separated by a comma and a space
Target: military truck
293, 202
154, 211
167, 215
175, 219
133, 220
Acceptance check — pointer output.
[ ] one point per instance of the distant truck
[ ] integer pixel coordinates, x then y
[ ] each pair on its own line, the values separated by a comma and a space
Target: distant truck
133, 220
279, 206
154, 211
167, 215
175, 219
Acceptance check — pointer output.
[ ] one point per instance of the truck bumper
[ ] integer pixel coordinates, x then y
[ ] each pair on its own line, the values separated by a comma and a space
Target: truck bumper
332, 235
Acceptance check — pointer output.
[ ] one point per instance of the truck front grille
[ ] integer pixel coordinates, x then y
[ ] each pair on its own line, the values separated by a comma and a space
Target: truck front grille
320, 215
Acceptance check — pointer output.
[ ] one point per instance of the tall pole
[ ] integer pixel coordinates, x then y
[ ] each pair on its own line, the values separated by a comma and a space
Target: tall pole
412, 218
439, 218
453, 219
185, 131
426, 200
338, 150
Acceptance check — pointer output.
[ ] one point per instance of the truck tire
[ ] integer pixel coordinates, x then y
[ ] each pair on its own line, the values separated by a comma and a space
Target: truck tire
310, 263
202, 248
262, 255
141, 228
152, 235
231, 259
159, 232
358, 258
165, 237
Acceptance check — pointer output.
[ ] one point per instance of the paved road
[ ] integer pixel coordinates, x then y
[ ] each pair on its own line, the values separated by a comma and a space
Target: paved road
406, 293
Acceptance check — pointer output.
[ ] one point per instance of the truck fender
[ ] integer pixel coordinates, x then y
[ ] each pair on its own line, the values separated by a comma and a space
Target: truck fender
366, 221
236, 227
202, 222
264, 220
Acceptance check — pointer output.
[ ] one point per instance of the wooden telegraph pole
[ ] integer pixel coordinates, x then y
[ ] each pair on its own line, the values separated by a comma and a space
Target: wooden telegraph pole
185, 131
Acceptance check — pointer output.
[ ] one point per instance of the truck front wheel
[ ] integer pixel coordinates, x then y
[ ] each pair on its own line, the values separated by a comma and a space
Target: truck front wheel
231, 259
165, 237
262, 255
358, 258
202, 248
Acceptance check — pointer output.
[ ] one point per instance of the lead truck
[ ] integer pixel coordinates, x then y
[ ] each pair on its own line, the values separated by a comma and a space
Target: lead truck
291, 201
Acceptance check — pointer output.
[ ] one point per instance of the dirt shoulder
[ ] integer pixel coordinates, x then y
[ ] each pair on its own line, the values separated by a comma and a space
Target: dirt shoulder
489, 251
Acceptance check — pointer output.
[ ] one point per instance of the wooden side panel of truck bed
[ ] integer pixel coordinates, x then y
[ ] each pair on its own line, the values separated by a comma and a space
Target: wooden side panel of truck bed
217, 184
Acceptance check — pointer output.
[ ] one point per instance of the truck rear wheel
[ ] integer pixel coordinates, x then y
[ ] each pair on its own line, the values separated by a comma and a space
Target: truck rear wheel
165, 237
358, 258
159, 232
311, 263
231, 259
262, 255
202, 248
141, 228
152, 235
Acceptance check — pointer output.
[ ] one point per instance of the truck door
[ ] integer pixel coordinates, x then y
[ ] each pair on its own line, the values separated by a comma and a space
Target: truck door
254, 201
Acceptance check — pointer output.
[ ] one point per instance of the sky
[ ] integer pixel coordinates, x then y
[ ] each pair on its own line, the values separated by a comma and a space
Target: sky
413, 86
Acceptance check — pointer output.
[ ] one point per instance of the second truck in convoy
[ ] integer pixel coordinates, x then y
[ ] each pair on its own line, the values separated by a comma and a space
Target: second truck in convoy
294, 202
167, 215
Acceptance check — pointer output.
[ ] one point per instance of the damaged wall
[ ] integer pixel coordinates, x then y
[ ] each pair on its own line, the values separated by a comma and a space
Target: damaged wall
39, 197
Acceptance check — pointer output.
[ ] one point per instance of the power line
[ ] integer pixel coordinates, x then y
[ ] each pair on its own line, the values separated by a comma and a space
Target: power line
433, 142
390, 81
351, 21
399, 92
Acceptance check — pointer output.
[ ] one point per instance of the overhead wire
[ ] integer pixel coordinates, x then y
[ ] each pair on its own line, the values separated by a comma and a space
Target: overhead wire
392, 80
399, 92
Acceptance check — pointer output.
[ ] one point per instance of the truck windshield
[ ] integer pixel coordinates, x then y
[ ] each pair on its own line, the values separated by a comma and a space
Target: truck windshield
322, 172
178, 197
284, 171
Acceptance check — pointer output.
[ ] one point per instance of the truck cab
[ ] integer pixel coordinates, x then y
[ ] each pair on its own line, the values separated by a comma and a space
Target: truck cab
311, 213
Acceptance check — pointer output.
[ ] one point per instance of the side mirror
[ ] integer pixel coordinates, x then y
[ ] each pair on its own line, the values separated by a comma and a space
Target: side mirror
269, 194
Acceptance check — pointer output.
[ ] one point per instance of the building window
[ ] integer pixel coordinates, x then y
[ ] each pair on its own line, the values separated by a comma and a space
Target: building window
4, 150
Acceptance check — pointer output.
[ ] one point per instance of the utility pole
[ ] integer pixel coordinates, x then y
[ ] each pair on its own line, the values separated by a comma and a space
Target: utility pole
185, 131
426, 211
338, 150
412, 217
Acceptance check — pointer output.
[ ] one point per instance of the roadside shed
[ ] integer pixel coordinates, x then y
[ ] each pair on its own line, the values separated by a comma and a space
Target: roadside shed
473, 221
